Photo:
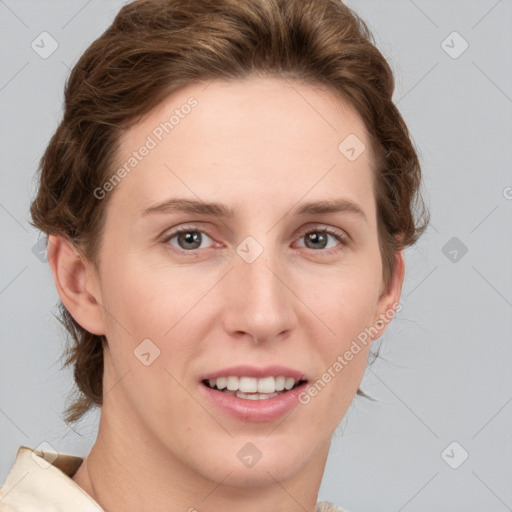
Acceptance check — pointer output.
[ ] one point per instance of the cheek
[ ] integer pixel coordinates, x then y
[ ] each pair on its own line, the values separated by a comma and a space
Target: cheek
346, 307
345, 352
341, 346
346, 298
144, 301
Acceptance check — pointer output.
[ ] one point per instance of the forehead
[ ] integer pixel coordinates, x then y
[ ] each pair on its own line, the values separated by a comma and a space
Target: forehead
261, 137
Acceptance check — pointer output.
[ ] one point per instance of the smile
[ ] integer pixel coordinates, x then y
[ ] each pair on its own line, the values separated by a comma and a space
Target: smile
252, 388
252, 394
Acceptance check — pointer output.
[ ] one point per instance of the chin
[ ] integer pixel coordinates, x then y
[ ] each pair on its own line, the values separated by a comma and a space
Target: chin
277, 468
252, 461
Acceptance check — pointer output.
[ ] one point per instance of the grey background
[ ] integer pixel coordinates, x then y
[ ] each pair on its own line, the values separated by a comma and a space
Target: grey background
444, 373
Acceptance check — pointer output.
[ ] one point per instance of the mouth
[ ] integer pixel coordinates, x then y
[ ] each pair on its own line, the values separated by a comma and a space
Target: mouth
253, 388
253, 394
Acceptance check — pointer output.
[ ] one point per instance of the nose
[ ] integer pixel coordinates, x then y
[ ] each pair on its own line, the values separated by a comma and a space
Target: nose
259, 303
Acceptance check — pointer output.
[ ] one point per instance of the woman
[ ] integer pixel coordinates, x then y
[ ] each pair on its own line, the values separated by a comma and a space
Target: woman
227, 199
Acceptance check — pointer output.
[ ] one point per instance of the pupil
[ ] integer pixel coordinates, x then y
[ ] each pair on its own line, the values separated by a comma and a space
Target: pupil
315, 238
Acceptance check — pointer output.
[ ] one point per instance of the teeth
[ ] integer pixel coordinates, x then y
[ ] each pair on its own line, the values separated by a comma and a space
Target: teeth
256, 396
222, 382
280, 383
232, 383
248, 385
266, 385
289, 383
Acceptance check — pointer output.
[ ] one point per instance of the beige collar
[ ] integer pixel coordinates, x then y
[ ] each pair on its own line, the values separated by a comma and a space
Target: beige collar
42, 481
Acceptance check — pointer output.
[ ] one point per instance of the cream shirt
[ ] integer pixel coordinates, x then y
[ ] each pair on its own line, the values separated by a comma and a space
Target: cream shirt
41, 482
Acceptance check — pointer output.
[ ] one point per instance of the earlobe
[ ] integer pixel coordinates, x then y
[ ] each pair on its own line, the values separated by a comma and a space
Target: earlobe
389, 300
391, 295
76, 283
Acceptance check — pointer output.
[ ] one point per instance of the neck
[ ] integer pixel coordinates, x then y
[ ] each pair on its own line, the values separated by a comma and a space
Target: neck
128, 471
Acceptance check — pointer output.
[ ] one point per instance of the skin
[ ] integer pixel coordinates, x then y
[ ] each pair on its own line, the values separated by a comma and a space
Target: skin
263, 147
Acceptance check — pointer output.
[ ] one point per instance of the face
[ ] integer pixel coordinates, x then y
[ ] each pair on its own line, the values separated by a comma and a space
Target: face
240, 252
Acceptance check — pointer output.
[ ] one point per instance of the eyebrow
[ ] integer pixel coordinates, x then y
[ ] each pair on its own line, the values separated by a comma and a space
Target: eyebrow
221, 210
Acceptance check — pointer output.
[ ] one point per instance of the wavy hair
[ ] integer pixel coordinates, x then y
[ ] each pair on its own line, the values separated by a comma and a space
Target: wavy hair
154, 47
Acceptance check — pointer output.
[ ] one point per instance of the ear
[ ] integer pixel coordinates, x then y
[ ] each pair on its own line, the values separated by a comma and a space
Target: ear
77, 284
389, 301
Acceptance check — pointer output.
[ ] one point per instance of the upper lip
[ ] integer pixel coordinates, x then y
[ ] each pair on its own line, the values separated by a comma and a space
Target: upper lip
257, 372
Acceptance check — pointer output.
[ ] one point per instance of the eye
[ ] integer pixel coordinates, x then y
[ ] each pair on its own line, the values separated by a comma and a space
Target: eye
322, 239
325, 240
189, 239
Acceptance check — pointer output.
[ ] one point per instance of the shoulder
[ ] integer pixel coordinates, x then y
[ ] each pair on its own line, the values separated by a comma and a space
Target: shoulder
40, 480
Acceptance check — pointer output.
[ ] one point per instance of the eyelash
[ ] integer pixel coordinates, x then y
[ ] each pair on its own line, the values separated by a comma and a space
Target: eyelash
340, 236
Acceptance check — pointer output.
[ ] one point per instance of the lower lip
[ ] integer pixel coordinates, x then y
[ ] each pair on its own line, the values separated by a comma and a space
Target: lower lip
256, 411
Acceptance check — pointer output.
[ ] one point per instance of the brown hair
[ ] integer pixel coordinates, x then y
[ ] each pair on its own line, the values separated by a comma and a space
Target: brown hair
154, 47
